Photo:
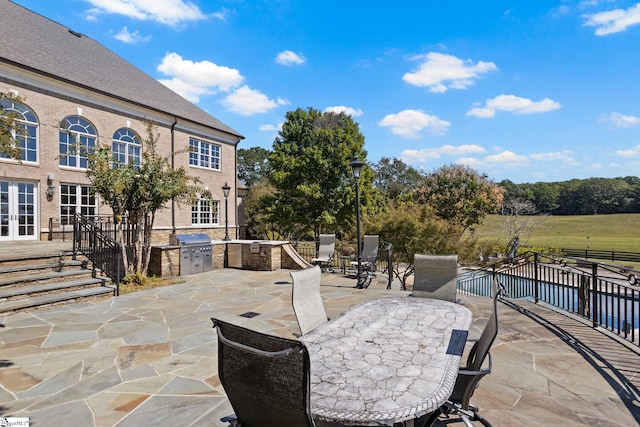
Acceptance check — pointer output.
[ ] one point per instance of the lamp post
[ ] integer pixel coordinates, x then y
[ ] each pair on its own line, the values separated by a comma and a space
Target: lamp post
225, 190
356, 168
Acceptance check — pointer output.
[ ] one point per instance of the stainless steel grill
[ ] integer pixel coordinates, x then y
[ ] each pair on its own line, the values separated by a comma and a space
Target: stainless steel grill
195, 253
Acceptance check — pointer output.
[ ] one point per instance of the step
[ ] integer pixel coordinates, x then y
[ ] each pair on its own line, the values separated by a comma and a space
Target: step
50, 276
8, 270
56, 298
16, 292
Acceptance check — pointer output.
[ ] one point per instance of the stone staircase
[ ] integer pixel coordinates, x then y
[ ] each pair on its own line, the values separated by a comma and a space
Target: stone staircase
31, 281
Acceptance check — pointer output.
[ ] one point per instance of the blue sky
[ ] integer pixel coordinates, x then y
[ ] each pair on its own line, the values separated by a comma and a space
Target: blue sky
522, 90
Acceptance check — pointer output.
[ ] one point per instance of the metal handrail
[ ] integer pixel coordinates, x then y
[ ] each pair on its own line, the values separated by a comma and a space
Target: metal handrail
98, 246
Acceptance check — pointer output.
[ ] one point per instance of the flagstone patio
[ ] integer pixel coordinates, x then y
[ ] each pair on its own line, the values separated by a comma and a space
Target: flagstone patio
149, 358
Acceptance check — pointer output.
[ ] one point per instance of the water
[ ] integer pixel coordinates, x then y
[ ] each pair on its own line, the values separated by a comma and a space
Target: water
614, 311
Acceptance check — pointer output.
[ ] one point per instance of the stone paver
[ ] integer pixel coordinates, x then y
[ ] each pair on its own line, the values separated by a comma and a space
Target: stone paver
150, 358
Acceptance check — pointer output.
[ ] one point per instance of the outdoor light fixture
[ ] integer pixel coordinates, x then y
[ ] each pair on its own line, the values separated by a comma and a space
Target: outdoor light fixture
356, 169
51, 190
225, 191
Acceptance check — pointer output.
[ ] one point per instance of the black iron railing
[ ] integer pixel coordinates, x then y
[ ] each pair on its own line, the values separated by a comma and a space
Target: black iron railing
603, 294
384, 263
99, 246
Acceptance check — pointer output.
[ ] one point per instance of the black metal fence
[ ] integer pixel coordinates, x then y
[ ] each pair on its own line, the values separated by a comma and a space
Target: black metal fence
384, 262
613, 256
100, 246
607, 298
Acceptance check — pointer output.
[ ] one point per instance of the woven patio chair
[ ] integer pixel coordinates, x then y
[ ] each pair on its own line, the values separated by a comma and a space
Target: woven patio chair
326, 252
470, 375
307, 302
266, 378
368, 260
435, 276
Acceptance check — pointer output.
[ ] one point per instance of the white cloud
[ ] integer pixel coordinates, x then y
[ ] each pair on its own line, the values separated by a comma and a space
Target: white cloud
247, 101
613, 21
353, 112
564, 155
411, 123
127, 36
620, 120
435, 153
632, 152
508, 158
440, 72
513, 104
270, 127
288, 57
168, 12
192, 79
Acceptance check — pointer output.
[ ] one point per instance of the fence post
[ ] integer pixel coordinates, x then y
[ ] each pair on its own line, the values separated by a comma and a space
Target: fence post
595, 295
536, 282
390, 264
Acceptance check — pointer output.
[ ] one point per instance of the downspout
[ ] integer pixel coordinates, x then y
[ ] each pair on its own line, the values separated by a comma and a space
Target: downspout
235, 190
173, 153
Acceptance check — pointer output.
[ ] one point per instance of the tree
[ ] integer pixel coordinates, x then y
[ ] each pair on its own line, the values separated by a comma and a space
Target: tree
310, 173
413, 228
520, 220
395, 178
252, 164
460, 195
138, 192
10, 130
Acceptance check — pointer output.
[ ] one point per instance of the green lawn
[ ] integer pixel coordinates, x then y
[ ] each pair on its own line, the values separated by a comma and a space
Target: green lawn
619, 232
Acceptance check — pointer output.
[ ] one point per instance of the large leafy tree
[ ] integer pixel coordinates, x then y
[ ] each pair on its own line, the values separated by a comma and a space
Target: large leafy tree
252, 164
413, 228
395, 178
138, 192
311, 177
10, 129
460, 195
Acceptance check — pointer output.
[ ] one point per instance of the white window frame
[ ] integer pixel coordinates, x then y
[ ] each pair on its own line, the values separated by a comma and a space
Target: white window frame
76, 198
126, 148
204, 154
29, 139
77, 138
205, 212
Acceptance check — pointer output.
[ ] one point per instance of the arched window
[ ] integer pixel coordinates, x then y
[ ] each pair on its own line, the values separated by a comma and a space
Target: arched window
27, 124
77, 139
126, 148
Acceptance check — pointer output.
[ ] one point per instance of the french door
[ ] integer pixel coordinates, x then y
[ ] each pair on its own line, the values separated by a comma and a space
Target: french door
18, 210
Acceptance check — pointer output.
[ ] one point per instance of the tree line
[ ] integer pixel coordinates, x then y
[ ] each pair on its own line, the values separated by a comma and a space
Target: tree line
592, 196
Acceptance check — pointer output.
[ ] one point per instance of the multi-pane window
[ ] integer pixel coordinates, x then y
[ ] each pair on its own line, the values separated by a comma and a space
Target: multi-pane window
126, 148
204, 154
77, 140
76, 198
205, 212
26, 132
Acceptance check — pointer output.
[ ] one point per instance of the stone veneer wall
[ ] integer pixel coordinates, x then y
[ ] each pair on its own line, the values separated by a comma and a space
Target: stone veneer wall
165, 259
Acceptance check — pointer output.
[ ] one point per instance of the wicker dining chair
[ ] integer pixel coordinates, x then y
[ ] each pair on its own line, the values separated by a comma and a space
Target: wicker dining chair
326, 252
470, 375
306, 299
266, 378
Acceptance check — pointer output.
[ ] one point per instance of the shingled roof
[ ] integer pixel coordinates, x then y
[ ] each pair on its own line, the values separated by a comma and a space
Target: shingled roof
39, 44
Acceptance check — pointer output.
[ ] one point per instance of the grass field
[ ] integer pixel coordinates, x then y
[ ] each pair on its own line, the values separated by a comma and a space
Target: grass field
619, 232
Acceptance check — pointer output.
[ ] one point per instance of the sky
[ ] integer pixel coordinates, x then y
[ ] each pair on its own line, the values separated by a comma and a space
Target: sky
530, 91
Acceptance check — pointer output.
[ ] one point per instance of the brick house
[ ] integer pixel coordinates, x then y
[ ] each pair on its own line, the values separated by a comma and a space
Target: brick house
74, 89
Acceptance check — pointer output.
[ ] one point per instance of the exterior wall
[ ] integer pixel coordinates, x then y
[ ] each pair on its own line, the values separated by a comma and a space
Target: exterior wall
52, 104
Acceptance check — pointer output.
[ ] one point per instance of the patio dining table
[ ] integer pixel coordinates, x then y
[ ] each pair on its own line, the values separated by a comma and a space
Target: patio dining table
386, 361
